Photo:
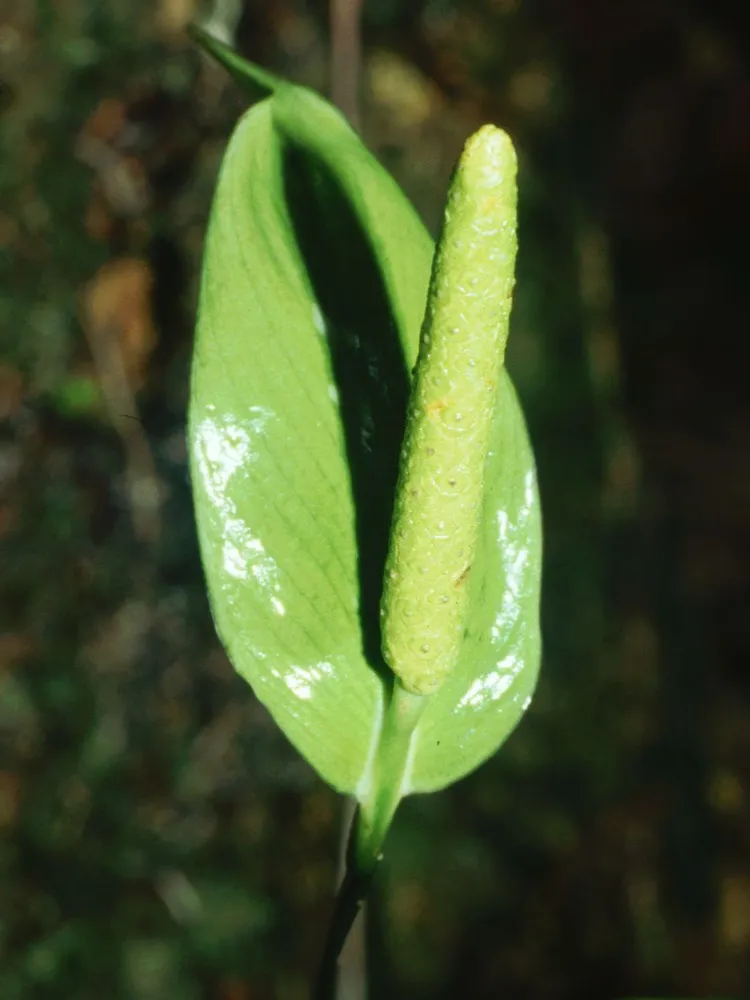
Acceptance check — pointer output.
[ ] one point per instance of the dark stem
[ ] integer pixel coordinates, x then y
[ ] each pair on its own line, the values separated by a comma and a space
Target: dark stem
349, 902
346, 57
371, 823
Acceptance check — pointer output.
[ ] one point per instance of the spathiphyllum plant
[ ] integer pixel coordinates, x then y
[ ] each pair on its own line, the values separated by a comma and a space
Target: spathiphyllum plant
364, 485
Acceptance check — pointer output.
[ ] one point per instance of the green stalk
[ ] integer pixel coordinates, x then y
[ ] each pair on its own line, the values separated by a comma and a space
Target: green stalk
386, 791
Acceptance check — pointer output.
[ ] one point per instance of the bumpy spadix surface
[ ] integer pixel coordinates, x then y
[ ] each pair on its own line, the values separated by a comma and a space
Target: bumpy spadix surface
462, 346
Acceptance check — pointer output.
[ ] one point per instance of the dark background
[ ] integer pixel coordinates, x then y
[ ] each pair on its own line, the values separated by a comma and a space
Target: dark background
159, 840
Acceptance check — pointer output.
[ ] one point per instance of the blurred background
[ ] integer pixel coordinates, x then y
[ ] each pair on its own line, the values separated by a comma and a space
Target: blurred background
159, 839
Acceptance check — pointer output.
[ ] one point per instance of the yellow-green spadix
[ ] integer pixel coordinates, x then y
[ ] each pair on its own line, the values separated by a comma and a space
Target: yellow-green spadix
454, 390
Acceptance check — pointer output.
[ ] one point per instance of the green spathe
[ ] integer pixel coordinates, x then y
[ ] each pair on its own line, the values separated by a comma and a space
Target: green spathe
314, 285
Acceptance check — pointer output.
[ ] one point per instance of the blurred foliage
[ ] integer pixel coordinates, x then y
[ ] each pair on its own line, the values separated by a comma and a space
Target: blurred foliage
158, 838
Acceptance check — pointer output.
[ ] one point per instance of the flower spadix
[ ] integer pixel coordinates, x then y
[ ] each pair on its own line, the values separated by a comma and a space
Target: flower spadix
439, 495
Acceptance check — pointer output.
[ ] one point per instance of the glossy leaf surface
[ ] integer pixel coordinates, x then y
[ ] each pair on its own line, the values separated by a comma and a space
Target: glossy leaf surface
315, 276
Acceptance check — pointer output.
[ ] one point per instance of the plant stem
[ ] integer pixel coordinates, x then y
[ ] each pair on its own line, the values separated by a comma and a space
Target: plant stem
346, 57
387, 787
349, 900
369, 828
